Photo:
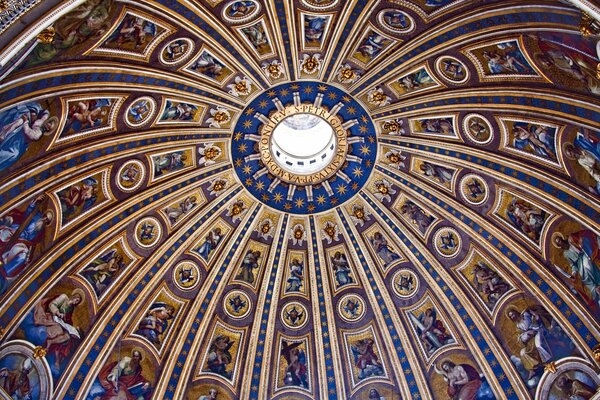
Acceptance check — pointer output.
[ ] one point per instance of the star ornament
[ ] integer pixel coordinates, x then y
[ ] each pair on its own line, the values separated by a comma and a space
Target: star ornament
357, 172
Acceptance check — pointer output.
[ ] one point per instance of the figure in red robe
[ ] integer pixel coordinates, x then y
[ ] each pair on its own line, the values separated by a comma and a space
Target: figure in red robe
123, 380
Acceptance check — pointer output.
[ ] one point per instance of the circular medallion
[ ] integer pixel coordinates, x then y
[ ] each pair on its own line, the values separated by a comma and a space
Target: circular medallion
478, 129
304, 147
176, 51
452, 69
240, 11
300, 141
474, 189
186, 275
131, 175
447, 242
395, 21
294, 315
237, 304
351, 307
320, 4
140, 111
148, 232
405, 283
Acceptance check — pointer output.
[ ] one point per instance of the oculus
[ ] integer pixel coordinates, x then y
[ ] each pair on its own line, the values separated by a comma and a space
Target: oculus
304, 147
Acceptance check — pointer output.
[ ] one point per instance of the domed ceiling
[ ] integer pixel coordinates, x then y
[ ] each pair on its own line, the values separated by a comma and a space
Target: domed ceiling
160, 237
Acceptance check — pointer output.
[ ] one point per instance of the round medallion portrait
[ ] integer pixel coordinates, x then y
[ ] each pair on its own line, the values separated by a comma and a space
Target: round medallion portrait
447, 242
186, 275
237, 304
395, 21
148, 232
478, 129
294, 315
305, 147
351, 307
474, 189
131, 175
452, 69
176, 51
240, 11
140, 111
405, 283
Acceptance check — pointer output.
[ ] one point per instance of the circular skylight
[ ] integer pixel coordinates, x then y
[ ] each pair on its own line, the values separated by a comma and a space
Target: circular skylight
303, 143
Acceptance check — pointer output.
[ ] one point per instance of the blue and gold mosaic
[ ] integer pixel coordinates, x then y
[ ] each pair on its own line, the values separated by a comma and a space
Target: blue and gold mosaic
321, 196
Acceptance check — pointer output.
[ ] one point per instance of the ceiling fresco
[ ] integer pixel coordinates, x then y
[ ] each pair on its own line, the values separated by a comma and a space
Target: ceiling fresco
156, 244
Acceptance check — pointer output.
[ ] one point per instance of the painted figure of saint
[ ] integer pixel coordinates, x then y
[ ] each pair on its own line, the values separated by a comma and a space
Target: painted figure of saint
249, 264
417, 215
342, 270
582, 250
365, 358
314, 27
219, 356
586, 151
296, 371
207, 65
154, 325
78, 198
133, 30
442, 174
86, 114
16, 383
20, 233
20, 126
123, 379
210, 243
463, 380
380, 244
431, 330
170, 162
296, 277
53, 318
489, 284
102, 270
527, 218
185, 206
540, 338
534, 138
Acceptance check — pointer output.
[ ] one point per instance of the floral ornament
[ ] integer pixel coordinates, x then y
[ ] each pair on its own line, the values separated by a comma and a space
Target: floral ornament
240, 87
219, 117
348, 75
265, 229
395, 159
378, 98
208, 154
394, 127
359, 215
311, 64
298, 234
330, 232
218, 186
384, 190
274, 69
236, 210
39, 352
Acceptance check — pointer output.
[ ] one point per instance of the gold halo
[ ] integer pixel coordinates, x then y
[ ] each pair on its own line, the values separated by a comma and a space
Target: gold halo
554, 236
80, 292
